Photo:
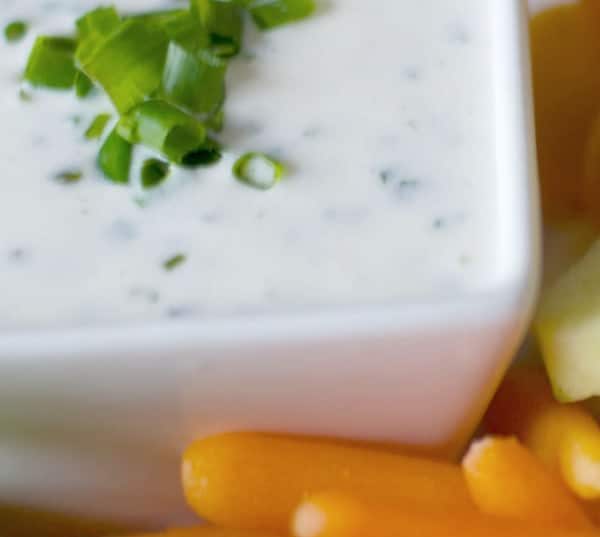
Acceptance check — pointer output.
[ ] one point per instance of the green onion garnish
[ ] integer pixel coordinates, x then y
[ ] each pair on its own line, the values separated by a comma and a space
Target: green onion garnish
93, 28
258, 170
163, 127
154, 172
194, 80
208, 154
165, 73
15, 31
268, 14
216, 122
96, 128
173, 262
83, 85
222, 20
97, 24
69, 176
114, 158
51, 63
181, 26
25, 96
129, 63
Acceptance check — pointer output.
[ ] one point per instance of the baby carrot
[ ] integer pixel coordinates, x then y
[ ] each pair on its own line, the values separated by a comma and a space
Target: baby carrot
564, 436
505, 479
591, 9
523, 394
255, 481
335, 515
579, 454
202, 531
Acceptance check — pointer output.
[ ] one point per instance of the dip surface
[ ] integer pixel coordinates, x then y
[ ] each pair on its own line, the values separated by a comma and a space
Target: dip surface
383, 112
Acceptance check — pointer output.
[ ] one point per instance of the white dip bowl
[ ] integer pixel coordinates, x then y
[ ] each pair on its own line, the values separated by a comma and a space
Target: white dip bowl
395, 341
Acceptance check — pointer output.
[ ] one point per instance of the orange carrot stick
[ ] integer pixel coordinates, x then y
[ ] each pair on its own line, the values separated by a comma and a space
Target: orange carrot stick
335, 515
523, 395
202, 531
255, 481
564, 436
505, 479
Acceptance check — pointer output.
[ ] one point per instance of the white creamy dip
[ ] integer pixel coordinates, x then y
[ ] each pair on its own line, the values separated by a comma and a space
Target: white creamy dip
382, 111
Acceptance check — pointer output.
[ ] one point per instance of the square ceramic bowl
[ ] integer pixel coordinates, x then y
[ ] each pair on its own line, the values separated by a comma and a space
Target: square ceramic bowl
93, 421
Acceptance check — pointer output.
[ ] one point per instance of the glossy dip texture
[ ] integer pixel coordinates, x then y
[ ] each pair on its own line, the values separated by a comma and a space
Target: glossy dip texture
383, 112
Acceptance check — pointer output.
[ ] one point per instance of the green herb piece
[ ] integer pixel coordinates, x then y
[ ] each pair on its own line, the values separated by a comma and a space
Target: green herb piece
129, 63
69, 176
93, 28
15, 31
173, 262
223, 22
208, 154
114, 158
97, 24
203, 10
181, 26
83, 85
154, 172
97, 126
216, 122
165, 128
258, 170
51, 63
271, 13
25, 96
165, 74
194, 80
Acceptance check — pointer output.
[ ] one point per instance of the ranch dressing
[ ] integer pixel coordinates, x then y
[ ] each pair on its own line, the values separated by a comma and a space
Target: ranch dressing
383, 114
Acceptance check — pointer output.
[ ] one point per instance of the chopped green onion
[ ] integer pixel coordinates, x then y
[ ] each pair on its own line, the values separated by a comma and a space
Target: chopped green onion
97, 24
173, 262
25, 96
15, 31
181, 26
165, 128
194, 80
222, 20
258, 170
154, 172
216, 122
114, 158
271, 13
93, 28
203, 10
69, 176
97, 126
165, 74
51, 63
83, 85
208, 154
129, 63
